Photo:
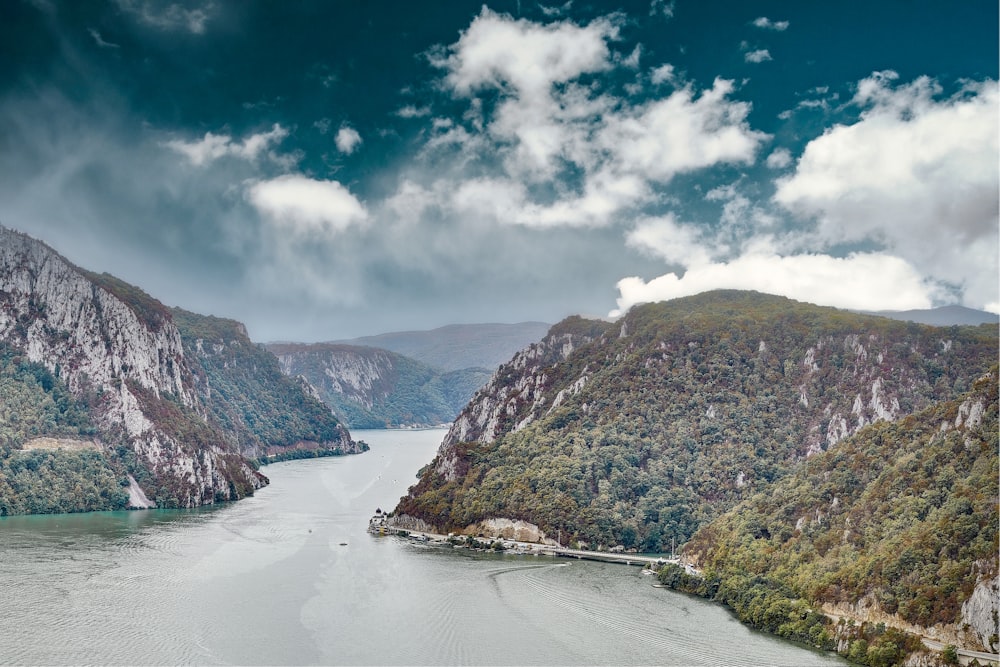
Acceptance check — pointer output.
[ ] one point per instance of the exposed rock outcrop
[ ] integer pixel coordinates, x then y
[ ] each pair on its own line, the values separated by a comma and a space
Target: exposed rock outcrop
121, 354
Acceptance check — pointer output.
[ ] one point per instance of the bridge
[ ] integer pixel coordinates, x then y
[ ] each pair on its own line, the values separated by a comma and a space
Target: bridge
608, 556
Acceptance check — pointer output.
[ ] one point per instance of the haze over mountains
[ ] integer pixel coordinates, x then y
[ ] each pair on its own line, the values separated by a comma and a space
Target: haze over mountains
459, 346
406, 378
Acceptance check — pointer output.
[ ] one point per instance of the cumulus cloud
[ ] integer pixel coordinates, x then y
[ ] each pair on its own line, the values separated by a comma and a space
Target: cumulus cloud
347, 140
917, 174
307, 206
757, 56
497, 51
662, 74
862, 281
768, 24
779, 158
665, 237
214, 146
680, 133
580, 157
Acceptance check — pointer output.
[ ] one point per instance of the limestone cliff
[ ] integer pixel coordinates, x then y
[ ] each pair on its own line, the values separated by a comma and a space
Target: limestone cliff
120, 353
373, 388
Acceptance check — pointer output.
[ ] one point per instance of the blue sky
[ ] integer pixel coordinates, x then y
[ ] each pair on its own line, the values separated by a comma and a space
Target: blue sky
322, 170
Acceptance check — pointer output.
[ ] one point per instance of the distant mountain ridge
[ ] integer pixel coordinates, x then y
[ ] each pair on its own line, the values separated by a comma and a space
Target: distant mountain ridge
458, 346
93, 358
370, 387
940, 317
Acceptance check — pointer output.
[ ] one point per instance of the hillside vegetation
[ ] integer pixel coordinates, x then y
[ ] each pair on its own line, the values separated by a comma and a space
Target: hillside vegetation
260, 409
640, 432
35, 403
100, 392
896, 525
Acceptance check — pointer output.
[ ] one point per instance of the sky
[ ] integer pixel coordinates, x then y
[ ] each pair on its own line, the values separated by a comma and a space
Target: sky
324, 170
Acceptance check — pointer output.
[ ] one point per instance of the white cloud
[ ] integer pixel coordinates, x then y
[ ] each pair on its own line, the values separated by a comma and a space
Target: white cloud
497, 51
347, 140
667, 238
169, 16
779, 158
662, 74
661, 7
556, 11
863, 281
917, 175
757, 56
100, 40
307, 206
411, 111
768, 24
579, 156
214, 146
680, 133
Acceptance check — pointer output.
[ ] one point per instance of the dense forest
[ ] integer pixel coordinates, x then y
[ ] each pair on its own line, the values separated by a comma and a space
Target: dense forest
669, 417
35, 403
902, 516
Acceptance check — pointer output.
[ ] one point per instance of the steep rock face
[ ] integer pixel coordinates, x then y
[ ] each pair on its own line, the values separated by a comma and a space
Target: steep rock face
262, 411
639, 432
359, 374
59, 316
517, 393
373, 388
99, 344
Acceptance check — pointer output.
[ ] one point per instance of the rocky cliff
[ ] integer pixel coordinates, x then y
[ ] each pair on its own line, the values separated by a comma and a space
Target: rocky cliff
264, 412
119, 352
638, 432
375, 388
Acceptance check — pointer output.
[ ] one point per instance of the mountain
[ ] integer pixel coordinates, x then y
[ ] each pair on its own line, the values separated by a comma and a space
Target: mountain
942, 317
895, 527
264, 412
374, 388
459, 346
114, 408
638, 432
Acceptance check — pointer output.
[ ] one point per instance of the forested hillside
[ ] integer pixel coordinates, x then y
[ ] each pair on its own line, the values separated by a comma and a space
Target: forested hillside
640, 432
896, 525
102, 404
261, 410
36, 404
374, 388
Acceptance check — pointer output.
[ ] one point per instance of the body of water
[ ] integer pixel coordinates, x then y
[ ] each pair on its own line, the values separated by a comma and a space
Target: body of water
290, 576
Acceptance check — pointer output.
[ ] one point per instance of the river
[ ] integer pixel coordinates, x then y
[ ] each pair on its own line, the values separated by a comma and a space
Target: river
291, 577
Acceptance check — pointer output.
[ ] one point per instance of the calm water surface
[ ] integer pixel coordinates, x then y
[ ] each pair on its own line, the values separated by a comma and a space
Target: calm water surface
291, 577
